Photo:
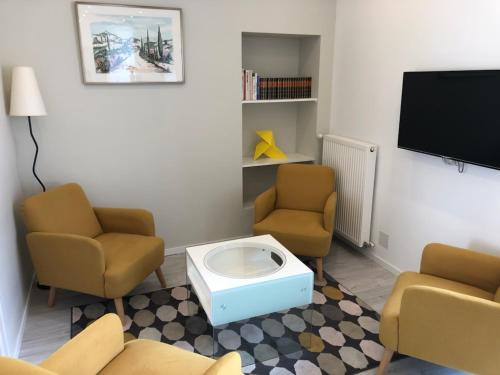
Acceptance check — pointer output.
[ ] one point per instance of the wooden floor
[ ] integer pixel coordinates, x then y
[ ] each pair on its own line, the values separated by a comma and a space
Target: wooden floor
48, 328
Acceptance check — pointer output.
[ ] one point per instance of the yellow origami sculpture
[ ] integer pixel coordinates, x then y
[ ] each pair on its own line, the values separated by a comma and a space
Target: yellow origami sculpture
267, 146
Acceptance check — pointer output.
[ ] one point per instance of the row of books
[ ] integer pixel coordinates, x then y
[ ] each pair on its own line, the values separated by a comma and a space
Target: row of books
256, 87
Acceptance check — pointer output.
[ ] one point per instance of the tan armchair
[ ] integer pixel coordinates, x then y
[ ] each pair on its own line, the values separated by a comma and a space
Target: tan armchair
448, 314
299, 211
100, 349
102, 251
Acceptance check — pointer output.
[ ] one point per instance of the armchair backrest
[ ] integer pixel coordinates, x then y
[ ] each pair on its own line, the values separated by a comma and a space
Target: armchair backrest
64, 209
304, 186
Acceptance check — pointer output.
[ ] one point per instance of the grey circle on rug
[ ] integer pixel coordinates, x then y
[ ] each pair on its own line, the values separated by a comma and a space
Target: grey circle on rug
173, 331
288, 347
144, 318
313, 317
229, 339
352, 330
196, 325
160, 297
273, 328
205, 345
264, 352
166, 313
294, 322
94, 311
331, 364
332, 312
252, 333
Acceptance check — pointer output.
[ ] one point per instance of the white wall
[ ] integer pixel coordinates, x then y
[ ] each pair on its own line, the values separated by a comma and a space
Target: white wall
174, 149
418, 199
15, 269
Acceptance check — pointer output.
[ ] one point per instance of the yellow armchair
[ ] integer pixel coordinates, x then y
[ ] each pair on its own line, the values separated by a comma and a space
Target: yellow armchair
100, 251
100, 349
448, 314
299, 211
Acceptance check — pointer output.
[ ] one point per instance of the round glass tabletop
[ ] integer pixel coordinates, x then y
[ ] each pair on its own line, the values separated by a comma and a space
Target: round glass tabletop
244, 260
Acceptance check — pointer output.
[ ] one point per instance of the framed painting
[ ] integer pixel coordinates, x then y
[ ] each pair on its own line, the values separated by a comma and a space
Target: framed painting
130, 44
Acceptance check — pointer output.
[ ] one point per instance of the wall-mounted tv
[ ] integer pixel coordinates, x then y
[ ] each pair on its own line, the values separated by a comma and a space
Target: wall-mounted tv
452, 114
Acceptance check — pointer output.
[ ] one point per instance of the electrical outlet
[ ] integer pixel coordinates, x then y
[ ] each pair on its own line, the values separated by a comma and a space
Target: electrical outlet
383, 239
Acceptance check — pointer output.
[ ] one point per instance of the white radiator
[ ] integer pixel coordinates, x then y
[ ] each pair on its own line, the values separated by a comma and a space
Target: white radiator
354, 164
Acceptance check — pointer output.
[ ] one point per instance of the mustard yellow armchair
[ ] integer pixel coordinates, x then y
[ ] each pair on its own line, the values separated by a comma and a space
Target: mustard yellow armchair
448, 314
299, 211
100, 349
102, 251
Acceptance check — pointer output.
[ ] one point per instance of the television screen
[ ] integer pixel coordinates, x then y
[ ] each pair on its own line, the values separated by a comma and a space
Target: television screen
452, 114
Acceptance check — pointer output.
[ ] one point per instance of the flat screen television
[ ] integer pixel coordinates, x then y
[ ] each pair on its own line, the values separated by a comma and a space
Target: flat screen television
452, 114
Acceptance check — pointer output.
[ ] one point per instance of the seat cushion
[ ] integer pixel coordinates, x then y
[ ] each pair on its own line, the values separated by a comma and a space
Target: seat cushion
129, 259
301, 232
389, 322
303, 186
64, 209
147, 357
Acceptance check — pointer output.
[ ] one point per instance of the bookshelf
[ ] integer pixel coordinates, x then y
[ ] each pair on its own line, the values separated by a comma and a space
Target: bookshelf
248, 161
293, 121
279, 101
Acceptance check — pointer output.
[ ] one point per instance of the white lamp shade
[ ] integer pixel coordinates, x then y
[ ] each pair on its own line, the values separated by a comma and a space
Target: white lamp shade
25, 97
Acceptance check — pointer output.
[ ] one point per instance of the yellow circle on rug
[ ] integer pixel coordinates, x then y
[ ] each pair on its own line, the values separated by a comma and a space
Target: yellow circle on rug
333, 293
311, 342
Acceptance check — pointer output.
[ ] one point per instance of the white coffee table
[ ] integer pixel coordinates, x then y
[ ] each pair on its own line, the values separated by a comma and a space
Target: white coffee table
245, 278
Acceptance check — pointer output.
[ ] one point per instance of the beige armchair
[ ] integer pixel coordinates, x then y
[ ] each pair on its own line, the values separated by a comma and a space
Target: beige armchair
102, 251
299, 211
448, 313
100, 350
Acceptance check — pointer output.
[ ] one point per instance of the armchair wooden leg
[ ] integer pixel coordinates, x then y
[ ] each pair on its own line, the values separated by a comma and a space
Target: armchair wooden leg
319, 269
384, 363
119, 309
161, 278
52, 296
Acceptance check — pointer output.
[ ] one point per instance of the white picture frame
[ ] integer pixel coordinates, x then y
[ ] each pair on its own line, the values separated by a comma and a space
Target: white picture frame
130, 44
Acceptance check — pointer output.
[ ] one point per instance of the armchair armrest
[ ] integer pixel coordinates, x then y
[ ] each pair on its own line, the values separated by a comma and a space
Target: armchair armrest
228, 364
465, 266
68, 261
126, 220
89, 351
329, 212
264, 204
450, 329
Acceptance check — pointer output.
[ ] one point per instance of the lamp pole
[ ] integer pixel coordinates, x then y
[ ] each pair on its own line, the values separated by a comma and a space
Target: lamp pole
36, 155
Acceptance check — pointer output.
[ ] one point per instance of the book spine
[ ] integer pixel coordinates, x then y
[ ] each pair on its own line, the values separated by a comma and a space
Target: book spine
243, 84
254, 97
248, 74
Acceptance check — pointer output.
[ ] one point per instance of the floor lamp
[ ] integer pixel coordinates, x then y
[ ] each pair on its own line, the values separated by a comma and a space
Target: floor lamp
26, 100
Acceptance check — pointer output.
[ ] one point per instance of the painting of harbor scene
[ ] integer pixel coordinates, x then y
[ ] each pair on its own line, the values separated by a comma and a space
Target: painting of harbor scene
123, 44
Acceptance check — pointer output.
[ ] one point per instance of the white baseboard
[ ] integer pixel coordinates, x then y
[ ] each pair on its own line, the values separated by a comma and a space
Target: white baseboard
382, 262
22, 326
182, 249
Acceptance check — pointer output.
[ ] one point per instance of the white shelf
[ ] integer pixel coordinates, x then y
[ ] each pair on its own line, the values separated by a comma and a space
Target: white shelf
248, 161
248, 205
279, 101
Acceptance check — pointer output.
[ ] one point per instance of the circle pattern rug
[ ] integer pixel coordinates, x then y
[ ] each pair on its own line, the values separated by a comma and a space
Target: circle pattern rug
337, 334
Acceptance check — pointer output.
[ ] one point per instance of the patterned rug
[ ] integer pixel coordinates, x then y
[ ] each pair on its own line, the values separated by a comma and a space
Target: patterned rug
337, 334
